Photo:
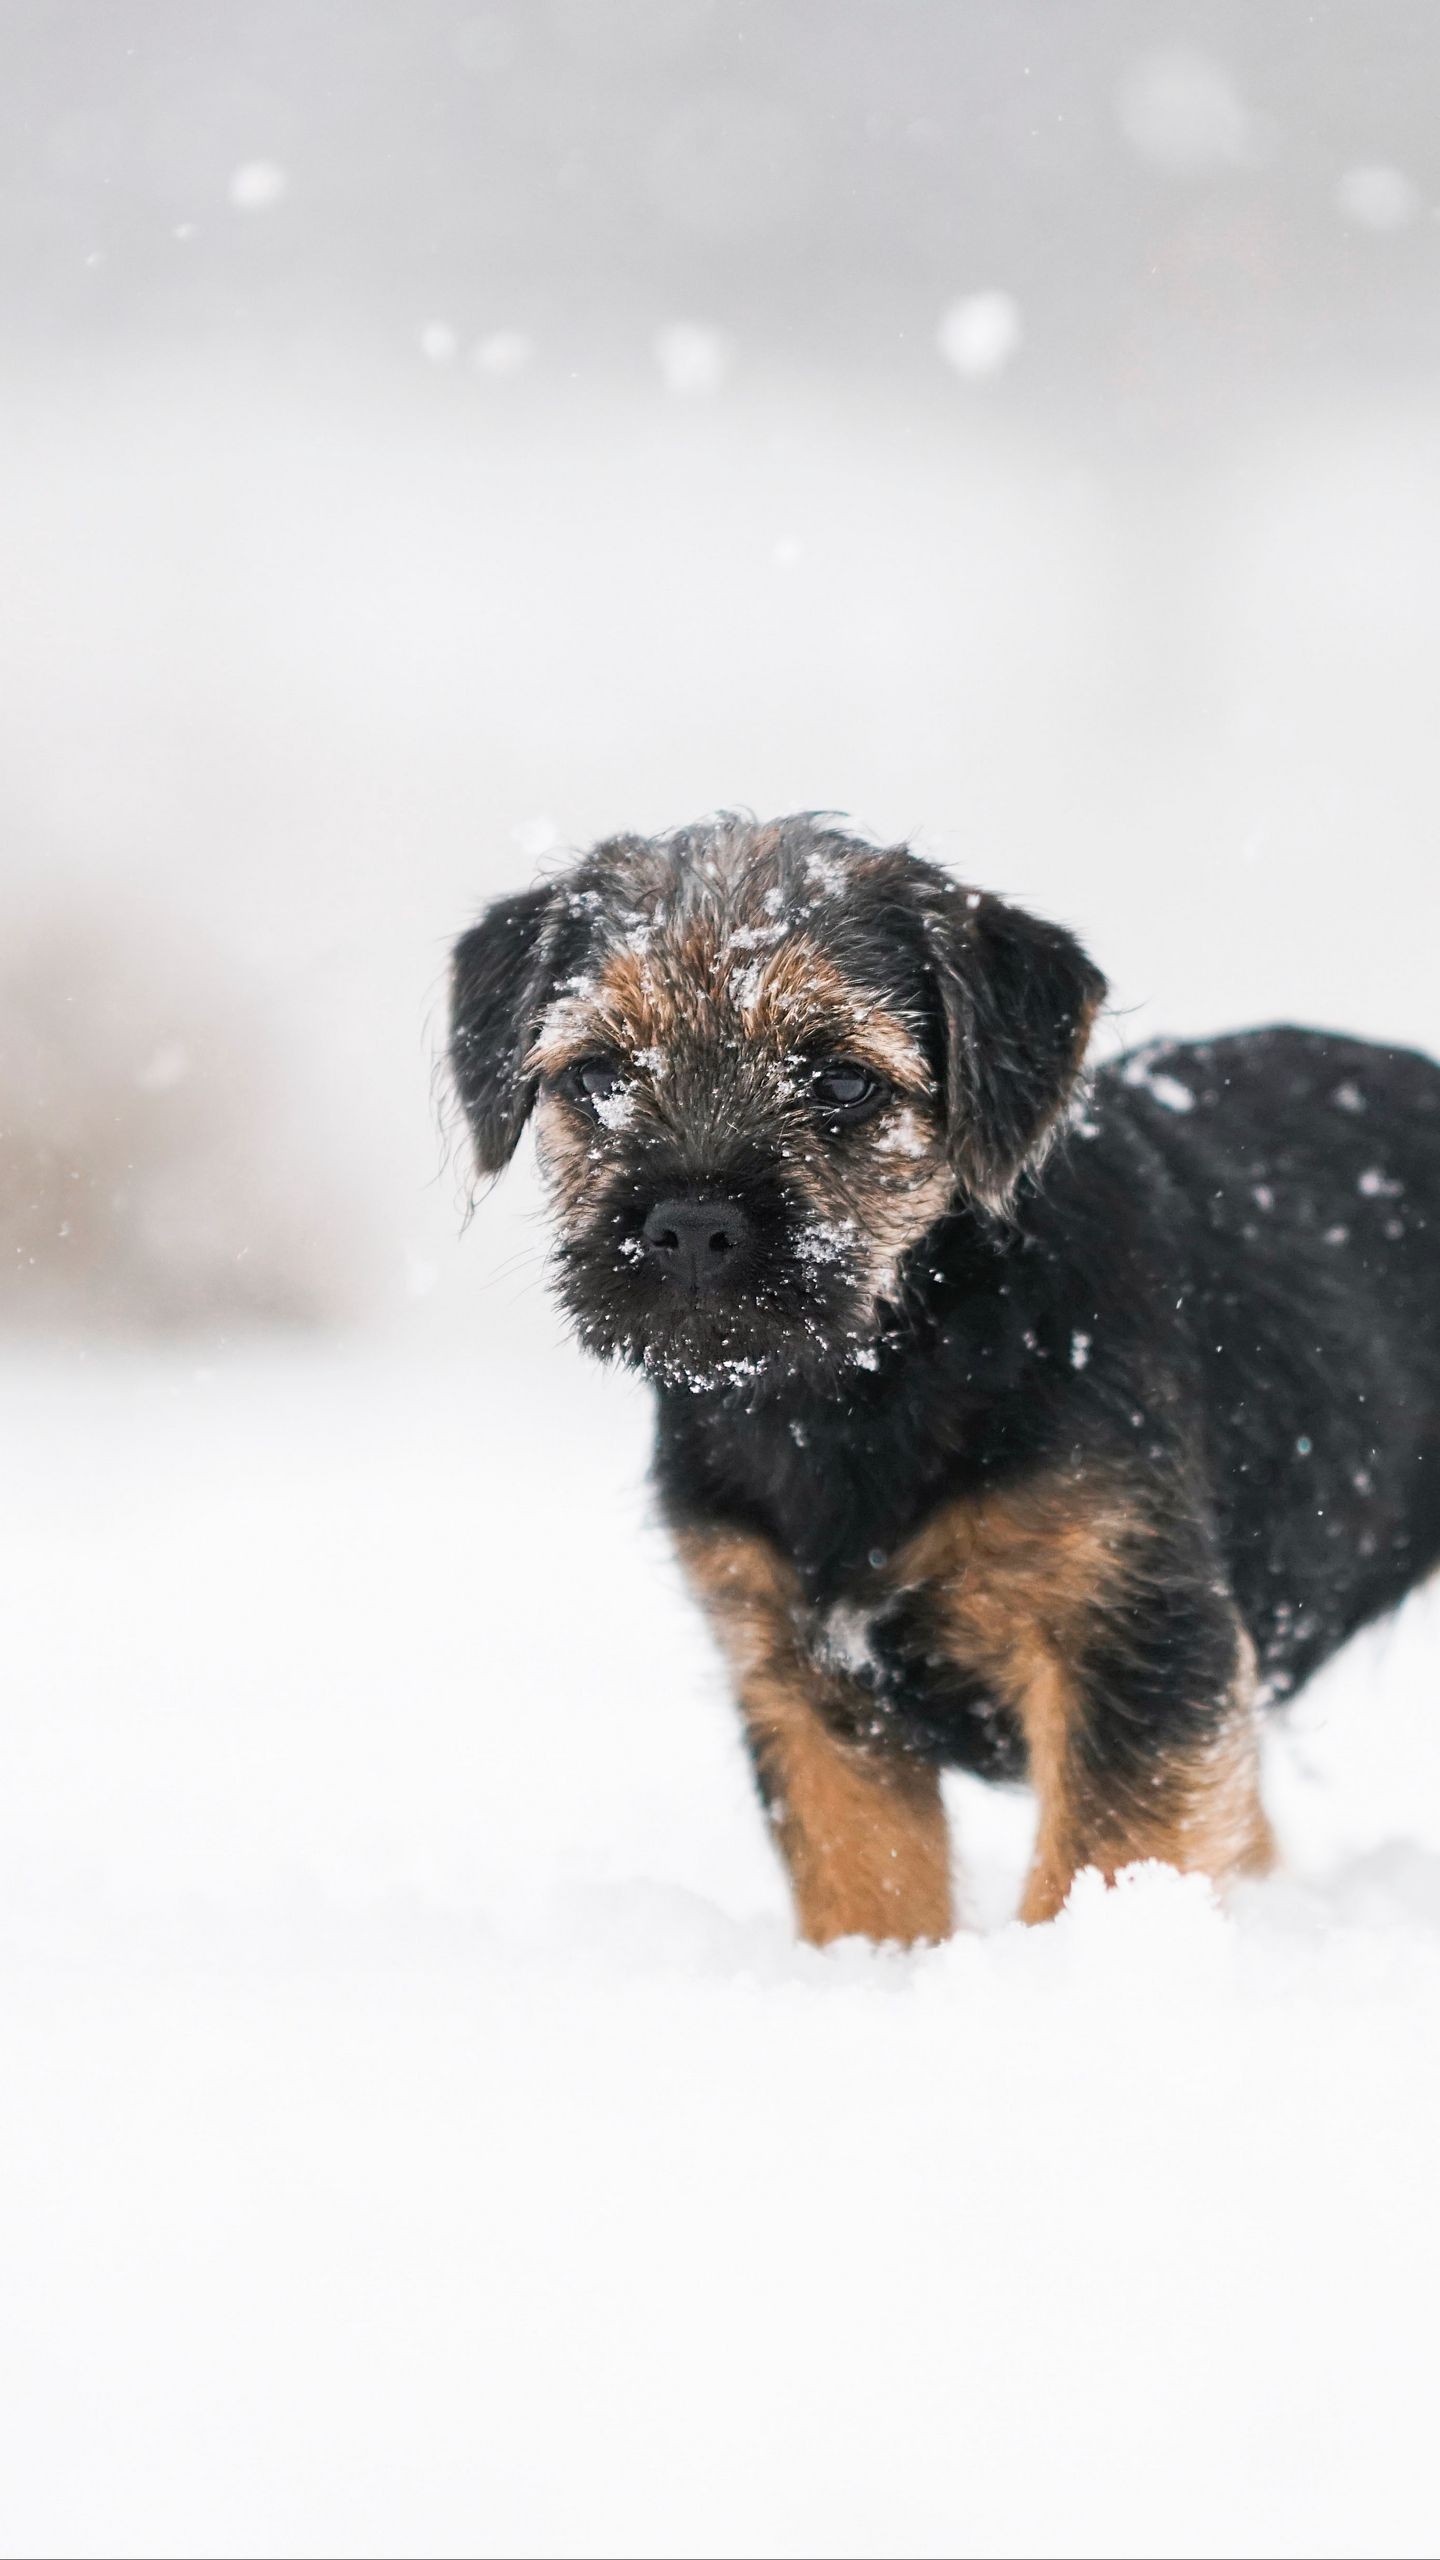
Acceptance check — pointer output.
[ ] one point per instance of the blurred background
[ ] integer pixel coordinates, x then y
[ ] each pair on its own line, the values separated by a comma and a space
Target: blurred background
431, 436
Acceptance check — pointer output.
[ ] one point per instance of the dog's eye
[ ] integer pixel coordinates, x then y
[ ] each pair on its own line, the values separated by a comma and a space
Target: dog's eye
594, 1079
595, 1084
843, 1090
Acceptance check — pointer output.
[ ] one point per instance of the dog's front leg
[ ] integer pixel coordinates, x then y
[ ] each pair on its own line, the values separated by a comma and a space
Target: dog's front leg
864, 1838
861, 1828
1146, 1750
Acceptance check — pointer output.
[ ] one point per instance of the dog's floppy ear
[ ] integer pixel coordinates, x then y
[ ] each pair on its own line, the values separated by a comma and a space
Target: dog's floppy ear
501, 979
1017, 999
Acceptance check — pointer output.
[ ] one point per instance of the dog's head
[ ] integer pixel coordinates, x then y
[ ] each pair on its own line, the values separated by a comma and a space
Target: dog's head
764, 1061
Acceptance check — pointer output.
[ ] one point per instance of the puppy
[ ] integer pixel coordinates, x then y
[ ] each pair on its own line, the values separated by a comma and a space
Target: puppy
1004, 1424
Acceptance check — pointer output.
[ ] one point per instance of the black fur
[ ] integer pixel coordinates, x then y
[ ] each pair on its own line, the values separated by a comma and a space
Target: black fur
499, 979
1016, 997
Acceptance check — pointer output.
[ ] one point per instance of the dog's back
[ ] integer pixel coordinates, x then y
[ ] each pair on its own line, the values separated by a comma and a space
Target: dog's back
1306, 1180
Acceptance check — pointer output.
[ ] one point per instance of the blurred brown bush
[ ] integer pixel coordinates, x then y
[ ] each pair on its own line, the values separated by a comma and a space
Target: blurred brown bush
157, 1172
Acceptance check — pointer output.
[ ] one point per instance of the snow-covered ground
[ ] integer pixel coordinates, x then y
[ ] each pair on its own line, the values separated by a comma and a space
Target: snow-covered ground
421, 2134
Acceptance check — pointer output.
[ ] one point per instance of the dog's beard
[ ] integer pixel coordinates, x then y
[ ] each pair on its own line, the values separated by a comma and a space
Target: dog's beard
804, 1313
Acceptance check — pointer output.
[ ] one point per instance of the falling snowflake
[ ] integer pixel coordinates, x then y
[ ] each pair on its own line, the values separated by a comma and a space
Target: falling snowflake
1378, 198
693, 358
503, 354
980, 334
256, 185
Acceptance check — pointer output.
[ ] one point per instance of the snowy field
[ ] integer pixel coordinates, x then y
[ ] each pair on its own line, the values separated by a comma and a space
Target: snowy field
421, 2133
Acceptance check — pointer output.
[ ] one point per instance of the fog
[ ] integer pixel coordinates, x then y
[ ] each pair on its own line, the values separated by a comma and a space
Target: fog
432, 438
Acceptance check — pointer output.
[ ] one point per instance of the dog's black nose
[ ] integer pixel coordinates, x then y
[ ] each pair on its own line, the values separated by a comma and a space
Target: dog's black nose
694, 1243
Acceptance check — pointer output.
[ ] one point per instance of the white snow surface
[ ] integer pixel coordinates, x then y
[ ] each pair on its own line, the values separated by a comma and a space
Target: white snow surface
422, 2134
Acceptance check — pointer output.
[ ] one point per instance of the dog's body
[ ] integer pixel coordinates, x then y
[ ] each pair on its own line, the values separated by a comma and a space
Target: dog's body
998, 1427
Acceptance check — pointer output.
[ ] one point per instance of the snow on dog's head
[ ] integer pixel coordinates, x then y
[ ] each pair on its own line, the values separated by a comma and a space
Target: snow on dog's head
764, 1061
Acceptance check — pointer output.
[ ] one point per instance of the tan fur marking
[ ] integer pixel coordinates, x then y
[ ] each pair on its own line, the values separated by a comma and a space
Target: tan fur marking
683, 980
566, 1150
800, 992
635, 1003
863, 1837
1018, 1576
1022, 1568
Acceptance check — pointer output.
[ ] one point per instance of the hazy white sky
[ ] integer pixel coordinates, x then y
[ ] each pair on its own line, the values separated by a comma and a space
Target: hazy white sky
432, 436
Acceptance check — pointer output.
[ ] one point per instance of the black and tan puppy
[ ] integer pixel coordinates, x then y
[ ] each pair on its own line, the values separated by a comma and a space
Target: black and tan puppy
1002, 1425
